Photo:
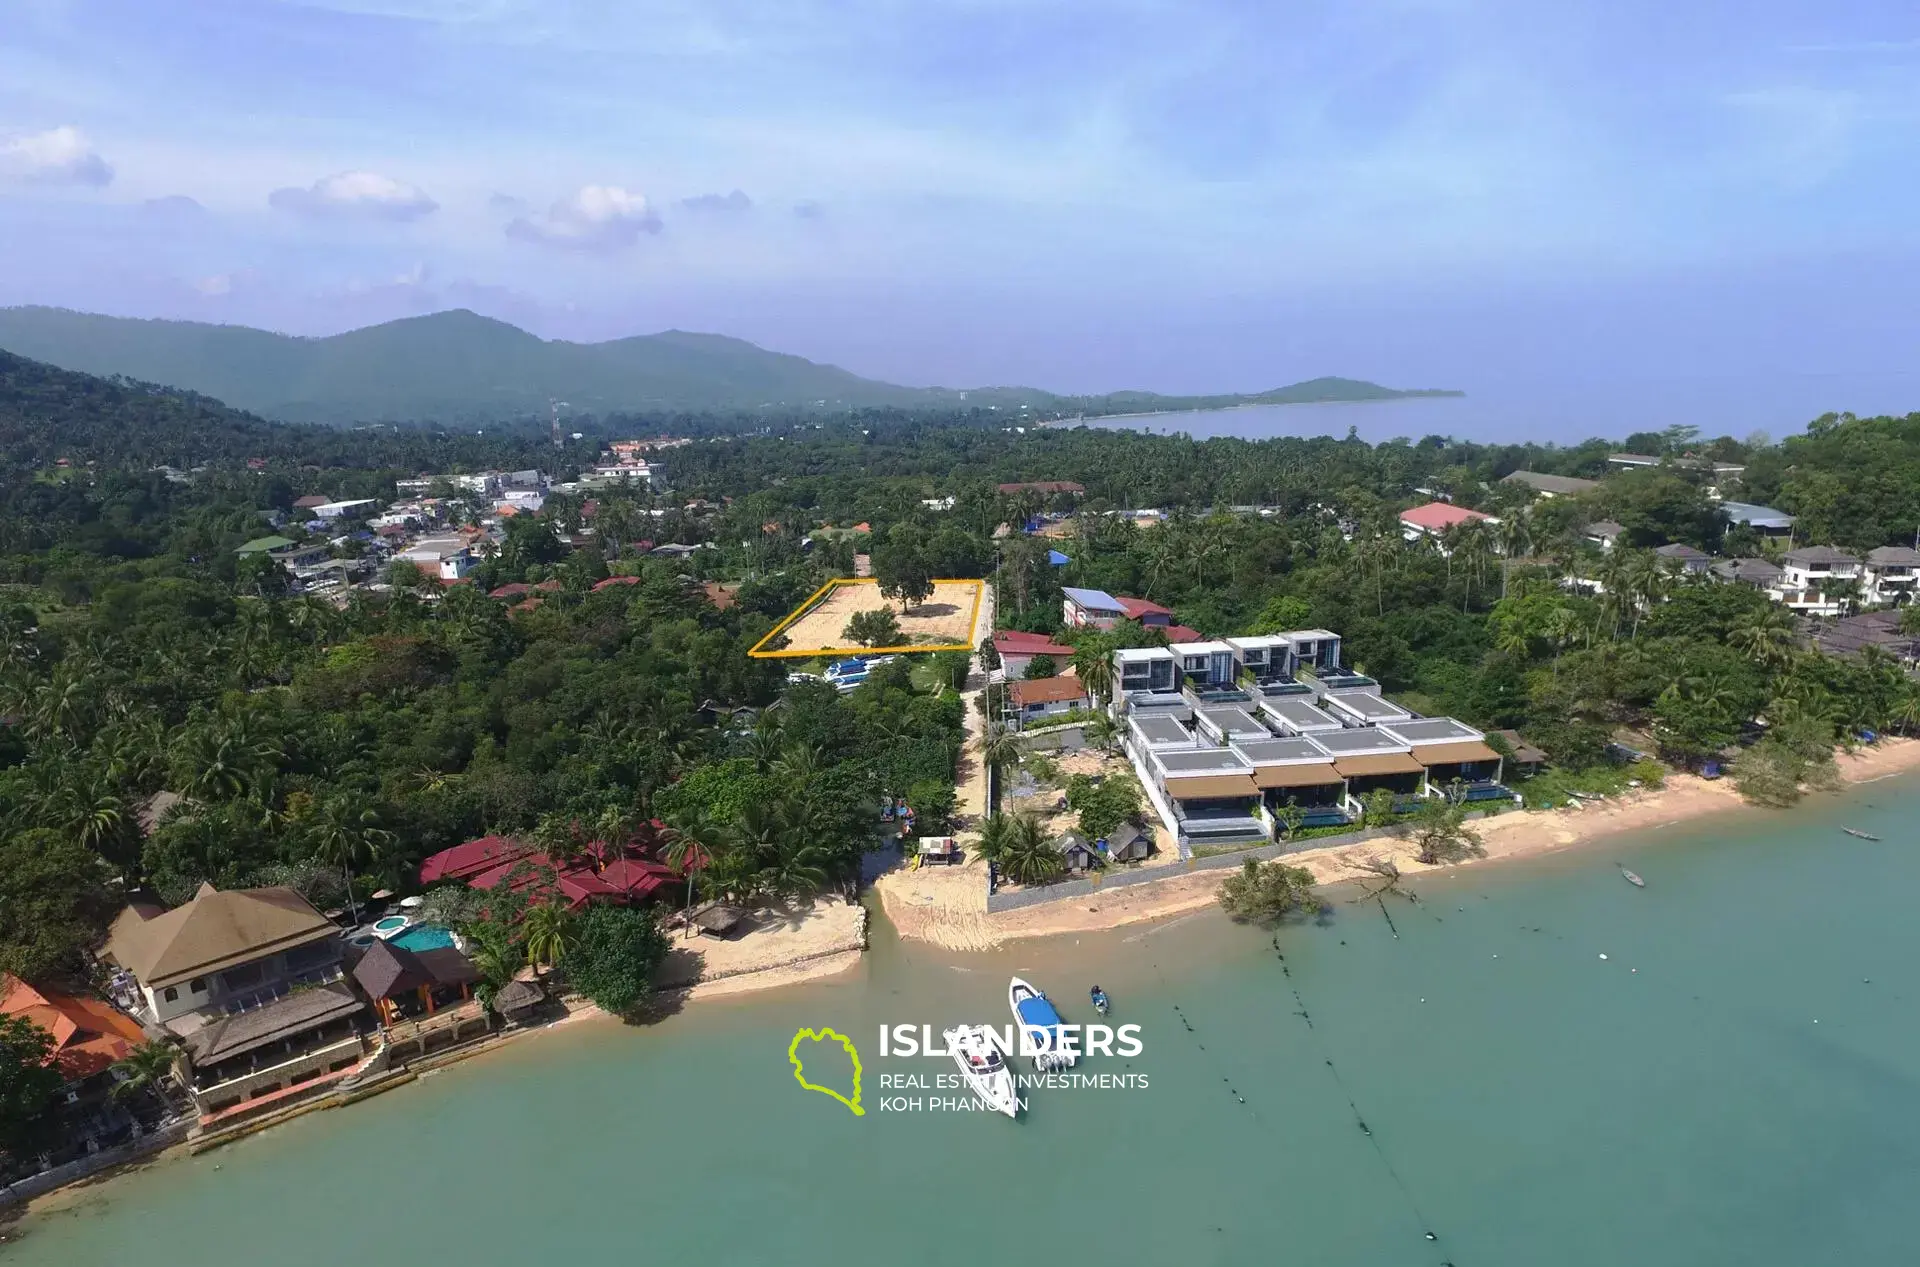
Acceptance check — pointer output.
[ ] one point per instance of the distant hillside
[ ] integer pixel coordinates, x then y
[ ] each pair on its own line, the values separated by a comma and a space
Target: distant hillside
460, 366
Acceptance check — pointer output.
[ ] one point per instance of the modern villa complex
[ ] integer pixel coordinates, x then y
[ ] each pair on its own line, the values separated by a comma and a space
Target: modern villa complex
1231, 738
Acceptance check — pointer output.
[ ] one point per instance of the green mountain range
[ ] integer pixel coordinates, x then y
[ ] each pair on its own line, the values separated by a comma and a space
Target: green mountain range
459, 366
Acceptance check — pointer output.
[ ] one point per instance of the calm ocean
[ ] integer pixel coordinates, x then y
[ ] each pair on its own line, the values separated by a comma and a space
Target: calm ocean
1563, 412
1551, 1067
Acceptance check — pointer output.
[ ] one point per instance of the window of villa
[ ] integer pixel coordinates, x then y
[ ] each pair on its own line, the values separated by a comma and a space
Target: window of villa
245, 975
171, 995
198, 985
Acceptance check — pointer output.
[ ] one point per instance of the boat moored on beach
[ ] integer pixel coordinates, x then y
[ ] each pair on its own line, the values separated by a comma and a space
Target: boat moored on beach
1040, 1024
977, 1053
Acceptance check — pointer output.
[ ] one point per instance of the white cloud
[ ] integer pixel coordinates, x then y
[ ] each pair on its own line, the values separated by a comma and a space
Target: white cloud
597, 218
58, 156
367, 194
735, 201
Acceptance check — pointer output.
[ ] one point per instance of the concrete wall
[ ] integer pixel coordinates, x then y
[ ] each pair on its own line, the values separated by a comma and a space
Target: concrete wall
299, 1069
1121, 877
27, 1189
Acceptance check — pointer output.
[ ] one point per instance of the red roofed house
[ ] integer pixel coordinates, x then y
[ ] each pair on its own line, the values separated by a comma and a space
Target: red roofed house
89, 1035
310, 501
1017, 650
1035, 699
612, 581
517, 589
1177, 634
1436, 518
463, 862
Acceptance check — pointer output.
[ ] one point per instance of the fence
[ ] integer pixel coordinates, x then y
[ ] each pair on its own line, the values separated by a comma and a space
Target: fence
1118, 879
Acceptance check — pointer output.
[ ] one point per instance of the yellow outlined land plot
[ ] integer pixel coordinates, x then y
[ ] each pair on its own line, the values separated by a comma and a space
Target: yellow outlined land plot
799, 1073
817, 627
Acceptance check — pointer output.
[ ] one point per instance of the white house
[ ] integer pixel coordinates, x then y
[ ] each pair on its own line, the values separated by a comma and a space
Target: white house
1034, 700
1090, 609
1806, 575
446, 558
334, 510
1891, 572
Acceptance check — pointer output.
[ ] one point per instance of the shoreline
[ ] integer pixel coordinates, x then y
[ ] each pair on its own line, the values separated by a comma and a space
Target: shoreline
949, 911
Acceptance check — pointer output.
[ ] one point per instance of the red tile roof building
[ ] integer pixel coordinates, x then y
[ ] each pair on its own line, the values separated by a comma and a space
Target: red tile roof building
1436, 517
88, 1034
1046, 690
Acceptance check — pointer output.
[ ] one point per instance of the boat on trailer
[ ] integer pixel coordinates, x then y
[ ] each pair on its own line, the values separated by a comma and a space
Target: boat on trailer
975, 1050
1040, 1024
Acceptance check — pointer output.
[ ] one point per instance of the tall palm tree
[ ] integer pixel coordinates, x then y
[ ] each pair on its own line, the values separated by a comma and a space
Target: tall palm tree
1514, 538
548, 931
1767, 637
1029, 857
148, 1067
1093, 665
344, 835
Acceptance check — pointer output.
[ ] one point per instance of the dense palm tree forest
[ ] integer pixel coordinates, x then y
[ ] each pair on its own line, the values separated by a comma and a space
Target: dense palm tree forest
328, 745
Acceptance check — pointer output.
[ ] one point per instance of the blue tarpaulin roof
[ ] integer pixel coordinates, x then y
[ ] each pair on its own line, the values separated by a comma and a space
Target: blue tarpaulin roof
1058, 559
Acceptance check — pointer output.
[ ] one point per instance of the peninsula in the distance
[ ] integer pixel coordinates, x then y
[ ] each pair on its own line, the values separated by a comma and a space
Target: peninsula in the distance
459, 366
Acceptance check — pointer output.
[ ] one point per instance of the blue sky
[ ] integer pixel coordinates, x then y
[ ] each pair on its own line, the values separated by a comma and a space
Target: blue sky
1082, 194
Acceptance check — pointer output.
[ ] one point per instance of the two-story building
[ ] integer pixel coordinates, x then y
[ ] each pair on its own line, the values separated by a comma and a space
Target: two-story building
443, 558
1890, 575
1089, 609
250, 981
1813, 580
1017, 651
1683, 558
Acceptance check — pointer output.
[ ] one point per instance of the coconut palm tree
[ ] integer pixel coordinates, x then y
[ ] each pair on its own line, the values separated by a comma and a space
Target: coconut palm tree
1029, 857
148, 1067
1514, 538
1093, 665
1767, 637
548, 933
344, 835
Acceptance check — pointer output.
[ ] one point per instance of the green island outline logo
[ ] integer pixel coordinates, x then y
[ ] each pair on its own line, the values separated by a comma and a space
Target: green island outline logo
799, 1073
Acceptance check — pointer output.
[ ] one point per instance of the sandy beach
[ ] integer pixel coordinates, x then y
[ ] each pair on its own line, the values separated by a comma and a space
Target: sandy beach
947, 907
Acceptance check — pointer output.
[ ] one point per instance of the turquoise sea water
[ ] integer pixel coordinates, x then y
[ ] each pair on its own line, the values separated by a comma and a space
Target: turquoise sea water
1738, 1081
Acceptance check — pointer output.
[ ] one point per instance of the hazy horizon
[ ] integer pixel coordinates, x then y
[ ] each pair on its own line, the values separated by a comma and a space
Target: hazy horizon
1201, 197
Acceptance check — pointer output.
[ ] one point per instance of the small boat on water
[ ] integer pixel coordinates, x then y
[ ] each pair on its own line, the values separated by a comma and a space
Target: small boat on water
1859, 834
1633, 879
1040, 1024
1101, 1003
973, 1048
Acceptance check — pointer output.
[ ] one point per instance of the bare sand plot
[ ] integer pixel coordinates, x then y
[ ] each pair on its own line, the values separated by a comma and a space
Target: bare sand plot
944, 622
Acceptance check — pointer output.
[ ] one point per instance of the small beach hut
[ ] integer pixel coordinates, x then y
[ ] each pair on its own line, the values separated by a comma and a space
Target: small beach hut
1129, 843
1526, 760
518, 1000
1080, 856
717, 918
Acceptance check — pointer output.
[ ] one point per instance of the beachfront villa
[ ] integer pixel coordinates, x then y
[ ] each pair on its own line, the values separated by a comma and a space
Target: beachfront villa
1230, 738
250, 982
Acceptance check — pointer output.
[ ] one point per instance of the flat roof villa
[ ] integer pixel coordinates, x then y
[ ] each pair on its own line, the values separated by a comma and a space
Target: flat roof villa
1372, 760
1222, 723
1294, 771
1452, 752
1213, 794
1295, 715
1364, 707
1151, 731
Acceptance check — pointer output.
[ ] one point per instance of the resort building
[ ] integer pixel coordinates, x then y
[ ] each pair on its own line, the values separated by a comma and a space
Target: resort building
1017, 651
1033, 700
1297, 715
1207, 795
1149, 732
1372, 760
1208, 668
1814, 580
250, 981
1891, 572
1452, 753
1550, 485
1223, 723
1362, 706
1298, 773
1435, 519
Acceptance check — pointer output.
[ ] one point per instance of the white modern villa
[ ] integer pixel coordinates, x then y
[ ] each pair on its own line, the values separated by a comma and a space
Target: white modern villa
1232, 739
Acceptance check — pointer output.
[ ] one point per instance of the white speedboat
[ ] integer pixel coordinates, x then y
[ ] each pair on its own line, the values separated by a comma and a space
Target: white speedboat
1039, 1023
985, 1069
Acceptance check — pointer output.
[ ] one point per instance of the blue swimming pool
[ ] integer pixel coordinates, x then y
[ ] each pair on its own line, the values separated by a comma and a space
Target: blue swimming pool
424, 937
